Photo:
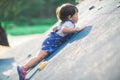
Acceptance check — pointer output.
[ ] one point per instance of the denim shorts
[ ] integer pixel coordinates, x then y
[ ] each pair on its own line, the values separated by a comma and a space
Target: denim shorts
52, 42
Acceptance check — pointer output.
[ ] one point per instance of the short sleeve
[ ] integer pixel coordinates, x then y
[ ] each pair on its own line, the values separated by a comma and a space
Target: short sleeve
66, 23
69, 24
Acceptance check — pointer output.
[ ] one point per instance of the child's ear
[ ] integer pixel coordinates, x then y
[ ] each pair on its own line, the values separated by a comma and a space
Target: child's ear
70, 17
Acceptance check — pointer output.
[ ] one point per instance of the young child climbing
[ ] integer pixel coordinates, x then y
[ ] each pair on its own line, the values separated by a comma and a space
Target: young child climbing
67, 15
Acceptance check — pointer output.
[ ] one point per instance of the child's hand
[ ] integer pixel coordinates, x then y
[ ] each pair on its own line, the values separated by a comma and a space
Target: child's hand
54, 28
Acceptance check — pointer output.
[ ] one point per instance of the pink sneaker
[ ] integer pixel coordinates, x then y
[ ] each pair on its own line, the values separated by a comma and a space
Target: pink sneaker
21, 72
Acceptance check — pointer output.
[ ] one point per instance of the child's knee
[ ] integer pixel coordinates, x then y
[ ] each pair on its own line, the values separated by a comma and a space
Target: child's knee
41, 56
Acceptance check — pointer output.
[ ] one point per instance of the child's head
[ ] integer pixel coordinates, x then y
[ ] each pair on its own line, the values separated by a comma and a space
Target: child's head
66, 12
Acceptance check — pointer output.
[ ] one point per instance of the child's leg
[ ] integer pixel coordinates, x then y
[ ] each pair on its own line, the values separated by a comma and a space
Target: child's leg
41, 55
22, 69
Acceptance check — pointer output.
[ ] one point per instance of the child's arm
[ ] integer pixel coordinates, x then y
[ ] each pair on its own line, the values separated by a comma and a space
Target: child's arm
66, 29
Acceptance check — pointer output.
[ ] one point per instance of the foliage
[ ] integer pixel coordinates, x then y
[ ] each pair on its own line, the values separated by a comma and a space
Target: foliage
18, 10
25, 30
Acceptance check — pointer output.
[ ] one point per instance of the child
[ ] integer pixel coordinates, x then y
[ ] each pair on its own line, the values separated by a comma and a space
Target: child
67, 14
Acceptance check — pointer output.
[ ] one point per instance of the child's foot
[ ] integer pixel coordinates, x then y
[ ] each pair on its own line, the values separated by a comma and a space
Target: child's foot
21, 72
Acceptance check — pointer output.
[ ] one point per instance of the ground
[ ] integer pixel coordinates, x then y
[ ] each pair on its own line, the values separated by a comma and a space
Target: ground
16, 41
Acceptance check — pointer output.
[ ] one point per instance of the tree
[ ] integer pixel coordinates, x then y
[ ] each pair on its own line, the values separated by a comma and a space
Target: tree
20, 10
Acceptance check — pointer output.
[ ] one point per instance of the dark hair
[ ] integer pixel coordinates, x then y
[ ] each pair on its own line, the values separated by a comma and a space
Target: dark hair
65, 10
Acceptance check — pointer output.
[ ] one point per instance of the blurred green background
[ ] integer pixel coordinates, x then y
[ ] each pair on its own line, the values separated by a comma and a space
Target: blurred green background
22, 17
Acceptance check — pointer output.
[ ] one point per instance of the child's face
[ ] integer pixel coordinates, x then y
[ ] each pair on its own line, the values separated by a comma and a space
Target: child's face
74, 18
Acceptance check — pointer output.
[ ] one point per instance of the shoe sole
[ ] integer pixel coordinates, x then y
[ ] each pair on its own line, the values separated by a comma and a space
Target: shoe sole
18, 70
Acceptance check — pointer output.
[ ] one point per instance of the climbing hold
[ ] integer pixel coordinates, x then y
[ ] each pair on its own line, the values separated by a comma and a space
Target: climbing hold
100, 7
92, 7
42, 65
29, 55
118, 5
